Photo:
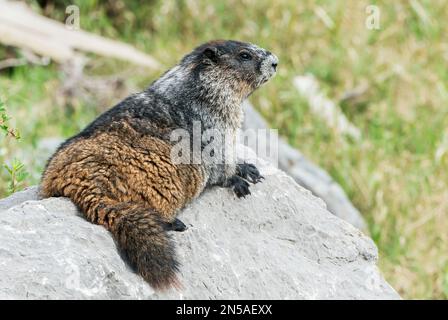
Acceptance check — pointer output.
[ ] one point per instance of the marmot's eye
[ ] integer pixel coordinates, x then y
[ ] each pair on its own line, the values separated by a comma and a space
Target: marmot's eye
245, 56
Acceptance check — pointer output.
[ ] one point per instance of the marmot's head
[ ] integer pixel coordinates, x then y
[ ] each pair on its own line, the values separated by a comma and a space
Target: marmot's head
217, 76
226, 63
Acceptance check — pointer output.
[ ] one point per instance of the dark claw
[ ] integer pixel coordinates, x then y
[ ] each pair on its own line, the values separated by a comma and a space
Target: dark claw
176, 225
249, 172
239, 186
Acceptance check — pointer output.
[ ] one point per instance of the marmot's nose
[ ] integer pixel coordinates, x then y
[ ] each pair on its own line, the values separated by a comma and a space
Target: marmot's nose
274, 61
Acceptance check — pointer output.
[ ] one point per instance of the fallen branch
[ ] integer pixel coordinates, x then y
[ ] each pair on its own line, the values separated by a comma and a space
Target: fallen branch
21, 27
27, 57
12, 62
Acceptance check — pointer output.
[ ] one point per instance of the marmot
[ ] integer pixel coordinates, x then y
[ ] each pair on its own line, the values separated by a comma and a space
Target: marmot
119, 170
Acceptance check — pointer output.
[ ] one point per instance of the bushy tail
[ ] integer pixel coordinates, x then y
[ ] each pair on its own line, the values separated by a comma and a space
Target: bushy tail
142, 238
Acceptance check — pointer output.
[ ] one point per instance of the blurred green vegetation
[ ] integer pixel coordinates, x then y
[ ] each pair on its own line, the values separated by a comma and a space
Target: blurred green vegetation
14, 173
396, 174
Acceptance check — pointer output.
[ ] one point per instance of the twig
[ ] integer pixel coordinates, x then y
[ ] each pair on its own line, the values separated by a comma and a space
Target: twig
12, 62
320, 105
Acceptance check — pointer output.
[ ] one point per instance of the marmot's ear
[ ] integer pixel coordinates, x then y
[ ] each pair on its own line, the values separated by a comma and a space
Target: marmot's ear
211, 53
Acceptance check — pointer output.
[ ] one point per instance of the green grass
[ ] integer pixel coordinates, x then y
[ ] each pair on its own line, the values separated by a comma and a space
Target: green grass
13, 173
392, 174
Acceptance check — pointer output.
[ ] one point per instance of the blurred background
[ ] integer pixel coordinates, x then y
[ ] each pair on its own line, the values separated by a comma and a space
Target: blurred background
388, 77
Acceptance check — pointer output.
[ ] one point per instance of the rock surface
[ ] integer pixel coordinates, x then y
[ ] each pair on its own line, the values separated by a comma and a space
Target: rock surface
278, 243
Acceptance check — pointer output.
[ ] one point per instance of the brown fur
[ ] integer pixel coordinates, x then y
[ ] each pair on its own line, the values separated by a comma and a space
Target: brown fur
126, 182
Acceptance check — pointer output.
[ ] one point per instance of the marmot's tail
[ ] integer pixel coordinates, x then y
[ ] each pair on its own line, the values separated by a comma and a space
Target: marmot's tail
142, 238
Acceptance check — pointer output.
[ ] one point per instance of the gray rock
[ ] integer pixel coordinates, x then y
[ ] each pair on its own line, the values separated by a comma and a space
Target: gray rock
278, 243
17, 198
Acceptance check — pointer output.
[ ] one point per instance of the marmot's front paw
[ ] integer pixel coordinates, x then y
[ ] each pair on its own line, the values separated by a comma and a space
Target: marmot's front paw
239, 186
176, 225
249, 172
